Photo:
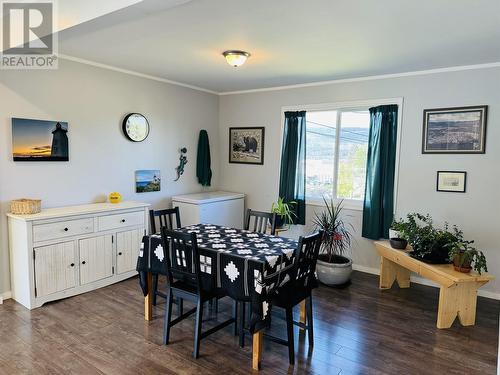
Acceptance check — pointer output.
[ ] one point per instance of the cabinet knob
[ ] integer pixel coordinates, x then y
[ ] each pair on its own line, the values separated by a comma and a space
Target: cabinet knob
66, 229
123, 220
72, 264
83, 262
120, 253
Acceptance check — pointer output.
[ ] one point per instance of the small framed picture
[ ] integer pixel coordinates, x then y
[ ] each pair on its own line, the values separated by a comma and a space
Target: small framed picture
454, 130
451, 181
246, 145
147, 181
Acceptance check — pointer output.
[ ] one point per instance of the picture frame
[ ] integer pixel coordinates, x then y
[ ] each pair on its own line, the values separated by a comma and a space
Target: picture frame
451, 181
39, 140
459, 130
147, 180
246, 145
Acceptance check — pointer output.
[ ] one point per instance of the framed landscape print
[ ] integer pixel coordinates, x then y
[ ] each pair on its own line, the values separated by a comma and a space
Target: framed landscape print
451, 181
455, 130
147, 181
246, 145
39, 140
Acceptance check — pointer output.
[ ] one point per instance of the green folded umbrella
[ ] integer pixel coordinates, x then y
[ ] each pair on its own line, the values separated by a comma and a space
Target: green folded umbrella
203, 171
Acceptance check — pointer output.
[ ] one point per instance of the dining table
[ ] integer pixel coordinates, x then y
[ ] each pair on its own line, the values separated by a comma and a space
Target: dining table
248, 267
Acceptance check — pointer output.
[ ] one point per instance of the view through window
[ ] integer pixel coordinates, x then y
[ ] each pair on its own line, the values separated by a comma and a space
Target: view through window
336, 151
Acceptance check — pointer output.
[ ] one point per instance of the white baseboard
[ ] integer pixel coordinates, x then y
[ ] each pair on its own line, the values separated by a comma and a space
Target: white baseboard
422, 281
4, 296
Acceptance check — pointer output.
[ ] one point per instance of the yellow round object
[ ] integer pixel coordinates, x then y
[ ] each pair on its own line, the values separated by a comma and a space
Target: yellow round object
115, 197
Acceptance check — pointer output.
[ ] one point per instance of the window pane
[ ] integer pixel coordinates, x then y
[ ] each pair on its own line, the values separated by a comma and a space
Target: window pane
354, 126
320, 153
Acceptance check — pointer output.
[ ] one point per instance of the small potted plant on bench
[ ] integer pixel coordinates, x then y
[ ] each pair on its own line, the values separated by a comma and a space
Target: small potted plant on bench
399, 242
466, 257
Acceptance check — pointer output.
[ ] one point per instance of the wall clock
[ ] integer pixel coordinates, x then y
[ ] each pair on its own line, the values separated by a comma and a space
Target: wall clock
135, 127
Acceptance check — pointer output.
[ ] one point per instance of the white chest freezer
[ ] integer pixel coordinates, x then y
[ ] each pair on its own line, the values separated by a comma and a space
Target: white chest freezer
216, 207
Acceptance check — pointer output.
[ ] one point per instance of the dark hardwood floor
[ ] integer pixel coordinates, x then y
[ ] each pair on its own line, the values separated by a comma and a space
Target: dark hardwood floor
358, 330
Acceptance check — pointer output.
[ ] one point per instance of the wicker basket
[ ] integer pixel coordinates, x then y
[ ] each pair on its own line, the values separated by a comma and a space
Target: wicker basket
25, 206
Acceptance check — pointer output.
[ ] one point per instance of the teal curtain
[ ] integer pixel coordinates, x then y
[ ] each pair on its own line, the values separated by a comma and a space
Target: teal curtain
203, 171
293, 163
379, 192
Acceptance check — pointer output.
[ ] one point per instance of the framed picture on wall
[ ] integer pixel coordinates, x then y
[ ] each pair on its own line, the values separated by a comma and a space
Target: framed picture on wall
147, 181
39, 140
451, 181
460, 130
246, 145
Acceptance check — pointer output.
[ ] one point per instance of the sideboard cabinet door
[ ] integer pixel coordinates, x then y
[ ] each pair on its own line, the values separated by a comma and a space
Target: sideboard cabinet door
127, 249
54, 268
96, 258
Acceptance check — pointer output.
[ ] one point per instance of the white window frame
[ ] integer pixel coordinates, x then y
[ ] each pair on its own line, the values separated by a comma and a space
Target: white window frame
350, 204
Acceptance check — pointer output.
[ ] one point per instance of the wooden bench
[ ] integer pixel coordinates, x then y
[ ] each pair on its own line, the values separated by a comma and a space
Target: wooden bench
458, 293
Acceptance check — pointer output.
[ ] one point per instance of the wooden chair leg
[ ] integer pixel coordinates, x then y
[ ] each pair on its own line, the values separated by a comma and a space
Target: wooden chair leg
168, 318
155, 288
197, 332
235, 316
309, 313
242, 324
291, 341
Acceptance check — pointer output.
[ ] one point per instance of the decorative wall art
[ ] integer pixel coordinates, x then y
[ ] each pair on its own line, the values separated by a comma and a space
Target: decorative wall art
147, 181
455, 130
182, 163
39, 140
451, 181
246, 145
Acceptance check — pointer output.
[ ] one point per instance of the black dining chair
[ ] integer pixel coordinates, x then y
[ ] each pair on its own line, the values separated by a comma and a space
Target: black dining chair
171, 219
298, 289
261, 221
186, 280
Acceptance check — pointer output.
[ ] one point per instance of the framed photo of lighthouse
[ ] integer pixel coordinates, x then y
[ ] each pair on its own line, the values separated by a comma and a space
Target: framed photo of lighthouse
39, 140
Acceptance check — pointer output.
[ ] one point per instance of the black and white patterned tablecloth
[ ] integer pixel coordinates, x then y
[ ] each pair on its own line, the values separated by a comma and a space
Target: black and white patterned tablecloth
248, 266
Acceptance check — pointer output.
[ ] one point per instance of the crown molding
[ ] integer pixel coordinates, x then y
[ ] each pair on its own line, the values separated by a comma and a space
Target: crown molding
134, 73
367, 78
286, 87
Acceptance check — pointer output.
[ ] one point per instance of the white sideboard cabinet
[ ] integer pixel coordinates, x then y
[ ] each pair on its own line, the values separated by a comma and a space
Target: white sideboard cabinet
61, 252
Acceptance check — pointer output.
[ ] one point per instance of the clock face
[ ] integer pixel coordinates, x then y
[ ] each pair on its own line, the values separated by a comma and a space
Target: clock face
136, 127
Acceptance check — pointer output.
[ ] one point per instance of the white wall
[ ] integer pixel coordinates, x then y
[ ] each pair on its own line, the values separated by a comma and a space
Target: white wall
476, 211
94, 101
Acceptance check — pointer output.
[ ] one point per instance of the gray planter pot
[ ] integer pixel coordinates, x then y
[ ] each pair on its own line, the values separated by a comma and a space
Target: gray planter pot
334, 273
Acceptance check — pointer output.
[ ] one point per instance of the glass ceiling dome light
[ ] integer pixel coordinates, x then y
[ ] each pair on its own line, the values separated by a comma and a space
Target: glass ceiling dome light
236, 58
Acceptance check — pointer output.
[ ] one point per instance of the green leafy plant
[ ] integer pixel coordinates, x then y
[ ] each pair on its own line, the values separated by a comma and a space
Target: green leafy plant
336, 235
284, 210
402, 227
464, 256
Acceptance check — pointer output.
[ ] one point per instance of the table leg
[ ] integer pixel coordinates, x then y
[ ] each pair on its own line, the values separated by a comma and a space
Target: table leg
458, 300
303, 313
148, 299
390, 272
257, 350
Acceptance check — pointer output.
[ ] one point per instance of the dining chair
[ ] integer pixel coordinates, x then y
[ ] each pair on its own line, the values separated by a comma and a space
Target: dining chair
187, 281
166, 218
261, 221
298, 289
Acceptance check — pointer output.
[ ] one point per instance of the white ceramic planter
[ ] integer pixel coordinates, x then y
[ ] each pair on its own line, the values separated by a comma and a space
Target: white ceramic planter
334, 273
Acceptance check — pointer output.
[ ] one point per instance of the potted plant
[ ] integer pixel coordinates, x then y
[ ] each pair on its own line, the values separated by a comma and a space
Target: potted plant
465, 257
401, 227
333, 266
284, 212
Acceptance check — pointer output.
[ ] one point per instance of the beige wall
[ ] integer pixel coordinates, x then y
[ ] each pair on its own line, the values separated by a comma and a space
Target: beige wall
93, 101
476, 211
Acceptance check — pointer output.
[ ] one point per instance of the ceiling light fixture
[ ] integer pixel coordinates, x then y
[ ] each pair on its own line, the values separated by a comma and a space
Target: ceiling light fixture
236, 58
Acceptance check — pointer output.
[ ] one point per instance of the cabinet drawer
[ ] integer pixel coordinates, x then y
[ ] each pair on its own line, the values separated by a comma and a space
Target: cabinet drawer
52, 231
121, 220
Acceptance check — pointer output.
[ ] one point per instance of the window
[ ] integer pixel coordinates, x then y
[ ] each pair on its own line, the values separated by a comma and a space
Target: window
336, 151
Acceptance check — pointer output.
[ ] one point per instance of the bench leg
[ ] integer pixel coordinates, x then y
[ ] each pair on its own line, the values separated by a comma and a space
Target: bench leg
148, 305
390, 272
458, 300
303, 313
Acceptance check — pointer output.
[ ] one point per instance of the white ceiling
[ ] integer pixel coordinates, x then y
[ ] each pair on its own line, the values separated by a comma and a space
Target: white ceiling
291, 41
